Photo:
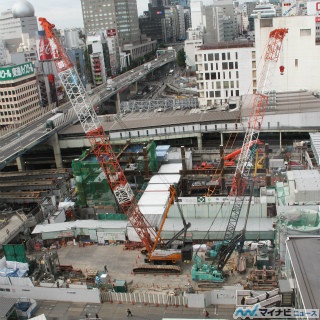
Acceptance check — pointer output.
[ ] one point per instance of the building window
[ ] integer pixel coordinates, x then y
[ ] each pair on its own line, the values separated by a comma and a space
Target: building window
296, 62
224, 65
305, 32
215, 127
216, 56
226, 126
223, 56
147, 131
120, 135
217, 94
210, 57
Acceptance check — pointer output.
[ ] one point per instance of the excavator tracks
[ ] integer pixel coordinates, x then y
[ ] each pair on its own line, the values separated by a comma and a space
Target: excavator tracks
151, 268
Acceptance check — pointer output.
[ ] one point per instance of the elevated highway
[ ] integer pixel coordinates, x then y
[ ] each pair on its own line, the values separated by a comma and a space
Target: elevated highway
15, 143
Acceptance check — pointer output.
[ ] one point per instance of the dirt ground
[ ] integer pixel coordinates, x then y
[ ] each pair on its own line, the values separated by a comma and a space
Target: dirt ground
120, 262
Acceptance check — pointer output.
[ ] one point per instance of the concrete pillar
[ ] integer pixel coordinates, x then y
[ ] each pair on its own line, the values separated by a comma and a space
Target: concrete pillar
54, 142
268, 180
133, 88
223, 179
266, 156
199, 140
20, 164
118, 102
183, 158
221, 138
146, 162
280, 140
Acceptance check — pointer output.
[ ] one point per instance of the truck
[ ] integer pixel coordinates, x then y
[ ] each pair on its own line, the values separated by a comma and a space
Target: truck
54, 121
147, 66
109, 84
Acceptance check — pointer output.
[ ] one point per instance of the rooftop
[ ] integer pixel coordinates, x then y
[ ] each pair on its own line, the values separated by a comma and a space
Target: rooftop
305, 258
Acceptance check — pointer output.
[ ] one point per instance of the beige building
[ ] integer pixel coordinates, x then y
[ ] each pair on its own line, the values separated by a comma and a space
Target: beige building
19, 97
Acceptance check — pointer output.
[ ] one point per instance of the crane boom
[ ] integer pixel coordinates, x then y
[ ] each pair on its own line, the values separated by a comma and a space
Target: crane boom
200, 271
257, 113
108, 161
97, 137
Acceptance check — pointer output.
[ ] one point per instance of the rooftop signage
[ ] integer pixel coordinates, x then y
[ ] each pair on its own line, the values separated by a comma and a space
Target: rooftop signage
18, 71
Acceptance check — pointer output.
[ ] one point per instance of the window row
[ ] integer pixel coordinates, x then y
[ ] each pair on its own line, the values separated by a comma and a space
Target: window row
220, 75
218, 94
220, 56
221, 66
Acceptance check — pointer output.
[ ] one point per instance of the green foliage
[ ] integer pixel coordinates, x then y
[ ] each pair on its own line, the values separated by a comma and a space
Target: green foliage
181, 58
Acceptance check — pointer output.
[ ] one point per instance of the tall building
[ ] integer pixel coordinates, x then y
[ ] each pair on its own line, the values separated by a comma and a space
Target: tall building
119, 15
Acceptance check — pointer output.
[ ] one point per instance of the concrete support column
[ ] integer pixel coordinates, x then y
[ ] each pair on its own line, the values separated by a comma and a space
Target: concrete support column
118, 102
221, 138
54, 142
221, 167
280, 140
146, 162
183, 158
133, 88
199, 140
20, 164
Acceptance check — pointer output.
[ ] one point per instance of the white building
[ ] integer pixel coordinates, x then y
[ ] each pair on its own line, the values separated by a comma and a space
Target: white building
266, 10
193, 42
299, 54
223, 71
16, 23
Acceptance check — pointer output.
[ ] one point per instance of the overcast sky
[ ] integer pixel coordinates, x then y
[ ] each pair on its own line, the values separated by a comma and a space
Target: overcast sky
63, 13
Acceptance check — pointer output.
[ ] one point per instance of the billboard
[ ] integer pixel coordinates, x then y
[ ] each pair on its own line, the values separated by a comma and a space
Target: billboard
43, 47
18, 71
111, 32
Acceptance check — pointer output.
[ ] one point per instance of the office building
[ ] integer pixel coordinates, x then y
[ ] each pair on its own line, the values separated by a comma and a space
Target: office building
224, 70
121, 16
19, 97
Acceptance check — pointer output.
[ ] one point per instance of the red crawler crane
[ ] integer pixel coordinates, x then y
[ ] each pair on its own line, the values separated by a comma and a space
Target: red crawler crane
105, 155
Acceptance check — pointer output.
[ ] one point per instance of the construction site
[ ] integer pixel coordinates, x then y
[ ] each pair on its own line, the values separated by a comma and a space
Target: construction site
148, 223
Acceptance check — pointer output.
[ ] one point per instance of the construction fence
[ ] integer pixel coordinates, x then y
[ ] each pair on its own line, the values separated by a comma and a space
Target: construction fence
144, 298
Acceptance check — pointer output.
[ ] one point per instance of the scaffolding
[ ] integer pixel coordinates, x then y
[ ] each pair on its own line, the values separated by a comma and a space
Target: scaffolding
92, 188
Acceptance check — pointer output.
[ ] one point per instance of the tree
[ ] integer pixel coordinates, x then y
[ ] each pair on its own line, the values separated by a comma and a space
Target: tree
181, 58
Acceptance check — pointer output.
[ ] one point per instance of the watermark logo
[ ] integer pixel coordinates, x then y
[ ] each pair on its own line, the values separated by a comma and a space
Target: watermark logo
256, 312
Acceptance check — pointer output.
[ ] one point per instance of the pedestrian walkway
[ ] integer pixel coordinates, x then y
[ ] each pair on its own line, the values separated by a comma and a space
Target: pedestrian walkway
54, 310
